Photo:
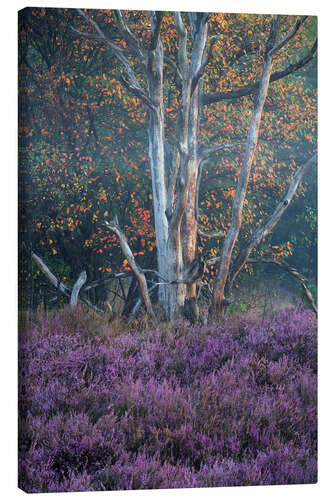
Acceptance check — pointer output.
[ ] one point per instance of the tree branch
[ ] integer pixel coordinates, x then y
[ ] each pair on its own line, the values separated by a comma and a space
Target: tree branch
265, 228
205, 153
129, 36
138, 304
137, 91
58, 284
182, 44
172, 63
118, 51
241, 189
104, 281
200, 72
93, 23
293, 272
113, 226
211, 234
289, 35
77, 287
250, 89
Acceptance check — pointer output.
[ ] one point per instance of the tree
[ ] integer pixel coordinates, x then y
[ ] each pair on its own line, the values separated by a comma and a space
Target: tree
185, 93
174, 167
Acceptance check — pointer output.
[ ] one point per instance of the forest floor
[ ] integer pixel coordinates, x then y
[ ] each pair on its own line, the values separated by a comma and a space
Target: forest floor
104, 407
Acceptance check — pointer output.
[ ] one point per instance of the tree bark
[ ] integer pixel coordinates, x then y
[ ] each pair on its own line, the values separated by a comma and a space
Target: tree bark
189, 227
175, 180
113, 226
251, 144
77, 287
267, 226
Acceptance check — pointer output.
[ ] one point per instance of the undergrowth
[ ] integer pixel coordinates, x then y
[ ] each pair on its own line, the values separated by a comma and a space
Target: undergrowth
108, 406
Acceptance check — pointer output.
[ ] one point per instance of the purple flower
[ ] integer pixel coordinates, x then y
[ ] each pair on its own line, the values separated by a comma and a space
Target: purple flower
180, 406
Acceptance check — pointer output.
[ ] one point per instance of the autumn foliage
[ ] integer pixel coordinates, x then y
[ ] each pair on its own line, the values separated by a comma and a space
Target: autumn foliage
83, 148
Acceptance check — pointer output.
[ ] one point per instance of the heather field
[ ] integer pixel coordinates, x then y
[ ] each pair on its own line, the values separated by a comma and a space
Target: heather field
107, 408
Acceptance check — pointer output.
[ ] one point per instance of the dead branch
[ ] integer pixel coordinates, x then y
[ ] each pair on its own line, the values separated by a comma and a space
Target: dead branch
267, 226
293, 272
58, 284
114, 227
77, 287
253, 87
211, 234
205, 153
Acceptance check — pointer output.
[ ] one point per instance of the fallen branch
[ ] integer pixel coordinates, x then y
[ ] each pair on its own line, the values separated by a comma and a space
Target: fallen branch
285, 267
138, 304
293, 272
114, 227
66, 290
77, 287
105, 281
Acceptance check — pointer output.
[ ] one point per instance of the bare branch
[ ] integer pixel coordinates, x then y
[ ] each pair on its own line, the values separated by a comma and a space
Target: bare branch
201, 70
113, 226
58, 284
50, 276
296, 66
212, 261
172, 63
211, 234
137, 91
293, 272
138, 303
92, 22
282, 265
100, 36
89, 36
130, 37
241, 189
104, 281
289, 35
205, 153
77, 287
118, 51
265, 228
250, 89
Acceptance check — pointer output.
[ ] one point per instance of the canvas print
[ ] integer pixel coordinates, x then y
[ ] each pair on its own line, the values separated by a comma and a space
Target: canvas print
167, 249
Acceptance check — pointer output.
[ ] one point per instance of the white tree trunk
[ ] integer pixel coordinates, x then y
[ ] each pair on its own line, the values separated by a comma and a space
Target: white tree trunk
250, 148
174, 186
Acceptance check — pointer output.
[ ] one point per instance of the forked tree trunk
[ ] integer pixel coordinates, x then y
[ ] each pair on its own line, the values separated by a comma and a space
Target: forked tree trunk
180, 178
169, 256
174, 183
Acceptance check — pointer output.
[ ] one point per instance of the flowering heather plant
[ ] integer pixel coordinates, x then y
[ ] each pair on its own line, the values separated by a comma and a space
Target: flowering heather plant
178, 406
